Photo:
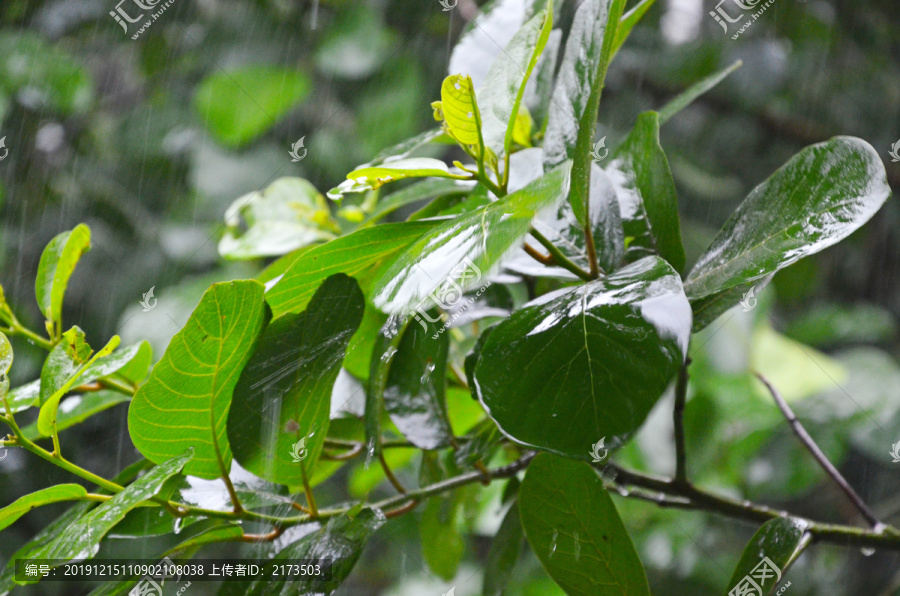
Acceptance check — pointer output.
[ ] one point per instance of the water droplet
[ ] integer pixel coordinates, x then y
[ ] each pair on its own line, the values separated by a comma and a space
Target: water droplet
370, 452
429, 368
867, 552
388, 354
553, 544
577, 547
179, 525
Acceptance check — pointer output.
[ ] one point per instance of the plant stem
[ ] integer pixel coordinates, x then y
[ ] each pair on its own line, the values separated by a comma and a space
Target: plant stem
559, 258
390, 474
307, 489
678, 420
16, 329
820, 457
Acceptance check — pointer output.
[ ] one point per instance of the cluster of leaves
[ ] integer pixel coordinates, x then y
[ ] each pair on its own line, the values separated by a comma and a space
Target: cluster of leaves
560, 350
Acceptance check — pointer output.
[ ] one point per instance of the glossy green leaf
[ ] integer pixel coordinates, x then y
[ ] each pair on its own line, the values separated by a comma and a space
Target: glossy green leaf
420, 191
283, 396
574, 529
457, 254
81, 539
355, 254
342, 540
688, 96
646, 191
818, 198
46, 422
501, 95
287, 215
24, 397
374, 177
504, 553
55, 268
78, 408
185, 401
592, 360
384, 349
460, 110
572, 121
768, 554
628, 21
238, 106
54, 494
406, 148
130, 363
415, 393
479, 444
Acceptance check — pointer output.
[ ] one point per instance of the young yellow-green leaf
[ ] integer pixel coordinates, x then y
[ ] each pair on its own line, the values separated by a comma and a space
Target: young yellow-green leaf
460, 109
592, 359
185, 401
646, 191
501, 95
54, 494
768, 554
574, 529
77, 409
81, 539
130, 363
287, 215
818, 198
6, 354
283, 396
64, 359
628, 21
54, 269
46, 422
457, 254
240, 105
688, 96
374, 177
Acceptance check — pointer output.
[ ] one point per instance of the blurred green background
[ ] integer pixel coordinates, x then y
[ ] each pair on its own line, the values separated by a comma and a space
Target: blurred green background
149, 140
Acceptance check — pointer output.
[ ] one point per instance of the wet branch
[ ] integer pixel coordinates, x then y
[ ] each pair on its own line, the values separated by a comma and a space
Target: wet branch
678, 420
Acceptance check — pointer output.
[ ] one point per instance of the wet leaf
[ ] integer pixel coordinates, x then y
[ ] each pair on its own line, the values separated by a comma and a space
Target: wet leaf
699, 88
818, 198
81, 539
355, 254
66, 357
287, 215
240, 105
6, 354
131, 363
459, 108
456, 255
501, 95
415, 393
420, 191
776, 540
574, 529
283, 396
483, 39
54, 494
374, 177
649, 206
589, 361
506, 547
384, 349
57, 263
78, 408
628, 21
185, 401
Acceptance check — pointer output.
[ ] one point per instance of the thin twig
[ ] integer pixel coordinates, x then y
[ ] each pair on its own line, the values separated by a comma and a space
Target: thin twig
390, 474
810, 444
678, 420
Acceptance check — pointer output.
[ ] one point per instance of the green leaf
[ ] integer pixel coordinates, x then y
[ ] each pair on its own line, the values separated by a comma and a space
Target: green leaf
456, 254
688, 96
78, 408
574, 529
46, 422
81, 539
504, 553
571, 125
384, 349
406, 148
355, 254
24, 397
6, 354
649, 206
240, 105
131, 363
591, 359
818, 198
442, 544
289, 214
628, 21
460, 110
342, 540
420, 191
283, 396
54, 494
479, 444
55, 267
374, 177
501, 95
63, 361
769, 553
415, 393
185, 401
